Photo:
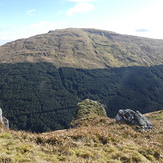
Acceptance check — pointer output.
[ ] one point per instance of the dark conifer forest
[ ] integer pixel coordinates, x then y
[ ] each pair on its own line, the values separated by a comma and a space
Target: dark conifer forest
42, 78
39, 97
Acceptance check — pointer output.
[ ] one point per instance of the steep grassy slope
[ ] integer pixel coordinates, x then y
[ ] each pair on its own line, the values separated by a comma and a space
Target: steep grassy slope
100, 140
42, 78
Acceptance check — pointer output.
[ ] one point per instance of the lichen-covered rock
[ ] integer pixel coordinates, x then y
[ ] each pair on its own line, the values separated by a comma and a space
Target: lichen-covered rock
134, 118
87, 110
1, 115
4, 121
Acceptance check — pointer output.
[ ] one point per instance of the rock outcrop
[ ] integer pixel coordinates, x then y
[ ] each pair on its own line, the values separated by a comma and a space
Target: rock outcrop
86, 111
89, 107
4, 121
133, 118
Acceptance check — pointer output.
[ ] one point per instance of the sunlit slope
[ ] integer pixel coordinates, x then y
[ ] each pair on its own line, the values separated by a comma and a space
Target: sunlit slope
84, 48
99, 140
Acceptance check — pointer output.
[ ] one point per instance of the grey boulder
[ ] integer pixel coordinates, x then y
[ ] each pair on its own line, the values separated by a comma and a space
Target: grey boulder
131, 117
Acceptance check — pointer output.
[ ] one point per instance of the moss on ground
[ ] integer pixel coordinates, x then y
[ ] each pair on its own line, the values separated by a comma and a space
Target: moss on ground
98, 139
101, 140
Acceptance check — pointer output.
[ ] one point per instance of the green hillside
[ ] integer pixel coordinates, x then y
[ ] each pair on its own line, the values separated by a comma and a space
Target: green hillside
42, 78
84, 48
100, 140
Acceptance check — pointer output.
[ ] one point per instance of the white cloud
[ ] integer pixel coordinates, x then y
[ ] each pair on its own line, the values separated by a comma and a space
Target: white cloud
80, 0
29, 12
81, 7
145, 23
141, 30
17, 32
42, 25
60, 13
4, 41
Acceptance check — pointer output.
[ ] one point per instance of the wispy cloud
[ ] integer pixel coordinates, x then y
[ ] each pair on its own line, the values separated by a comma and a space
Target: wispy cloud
6, 34
60, 13
142, 30
17, 32
45, 26
82, 6
2, 42
42, 25
80, 0
29, 12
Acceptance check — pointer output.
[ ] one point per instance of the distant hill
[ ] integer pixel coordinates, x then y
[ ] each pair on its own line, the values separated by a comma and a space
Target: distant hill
84, 48
43, 77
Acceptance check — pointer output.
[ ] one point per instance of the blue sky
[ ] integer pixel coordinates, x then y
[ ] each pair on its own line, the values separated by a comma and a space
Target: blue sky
22, 19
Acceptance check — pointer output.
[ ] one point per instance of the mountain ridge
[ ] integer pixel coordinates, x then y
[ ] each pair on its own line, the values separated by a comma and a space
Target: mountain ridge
84, 48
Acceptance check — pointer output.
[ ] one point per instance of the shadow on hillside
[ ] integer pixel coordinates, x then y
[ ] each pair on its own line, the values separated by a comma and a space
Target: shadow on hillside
39, 97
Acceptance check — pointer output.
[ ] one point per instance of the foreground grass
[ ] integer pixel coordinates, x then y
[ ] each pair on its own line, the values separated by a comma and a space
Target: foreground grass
99, 140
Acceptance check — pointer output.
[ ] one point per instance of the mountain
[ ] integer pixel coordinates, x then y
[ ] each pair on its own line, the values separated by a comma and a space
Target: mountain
43, 77
84, 48
99, 140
